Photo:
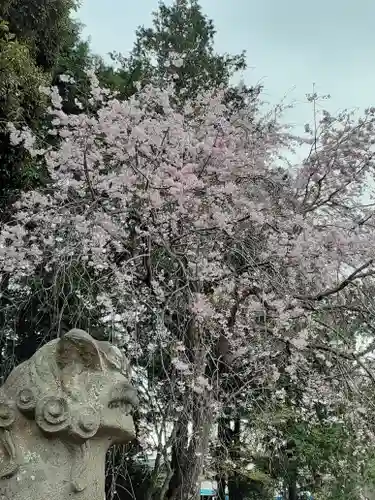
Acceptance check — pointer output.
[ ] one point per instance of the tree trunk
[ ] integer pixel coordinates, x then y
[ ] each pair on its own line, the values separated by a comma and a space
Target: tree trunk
221, 485
292, 480
187, 455
222, 452
292, 490
178, 461
235, 487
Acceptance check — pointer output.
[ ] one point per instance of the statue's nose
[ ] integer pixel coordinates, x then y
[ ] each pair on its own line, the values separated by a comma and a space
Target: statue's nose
131, 395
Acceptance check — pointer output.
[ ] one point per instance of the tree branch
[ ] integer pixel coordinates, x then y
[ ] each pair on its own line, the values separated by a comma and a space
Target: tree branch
347, 281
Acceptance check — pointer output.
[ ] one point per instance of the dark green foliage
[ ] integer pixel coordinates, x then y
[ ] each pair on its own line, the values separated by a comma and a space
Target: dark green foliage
120, 79
20, 103
34, 52
44, 25
183, 29
73, 62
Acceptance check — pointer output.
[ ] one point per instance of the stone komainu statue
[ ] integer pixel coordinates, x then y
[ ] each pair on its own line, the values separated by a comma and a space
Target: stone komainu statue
60, 411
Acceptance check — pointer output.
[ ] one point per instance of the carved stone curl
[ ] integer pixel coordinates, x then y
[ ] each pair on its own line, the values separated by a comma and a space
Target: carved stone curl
86, 423
26, 400
7, 414
52, 414
59, 413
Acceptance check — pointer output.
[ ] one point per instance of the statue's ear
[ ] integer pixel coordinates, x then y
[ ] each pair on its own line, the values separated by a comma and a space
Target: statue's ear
79, 351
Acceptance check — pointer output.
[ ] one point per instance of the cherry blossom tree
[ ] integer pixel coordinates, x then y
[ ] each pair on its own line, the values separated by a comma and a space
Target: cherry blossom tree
184, 236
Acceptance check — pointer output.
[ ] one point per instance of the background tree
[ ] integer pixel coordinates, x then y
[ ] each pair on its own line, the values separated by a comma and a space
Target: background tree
183, 34
46, 27
21, 103
36, 38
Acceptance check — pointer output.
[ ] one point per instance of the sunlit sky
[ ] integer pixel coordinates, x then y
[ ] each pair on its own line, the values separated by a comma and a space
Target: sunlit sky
290, 44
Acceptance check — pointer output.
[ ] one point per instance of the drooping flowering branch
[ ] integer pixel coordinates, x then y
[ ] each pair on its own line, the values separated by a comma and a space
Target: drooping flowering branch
204, 249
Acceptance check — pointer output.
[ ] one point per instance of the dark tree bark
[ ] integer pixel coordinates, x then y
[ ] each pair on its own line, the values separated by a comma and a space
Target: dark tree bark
235, 486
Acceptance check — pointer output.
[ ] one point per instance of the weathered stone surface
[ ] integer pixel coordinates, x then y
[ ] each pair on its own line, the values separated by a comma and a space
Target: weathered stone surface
60, 411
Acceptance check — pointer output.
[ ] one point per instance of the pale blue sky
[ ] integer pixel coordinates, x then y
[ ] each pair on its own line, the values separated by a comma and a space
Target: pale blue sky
290, 43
